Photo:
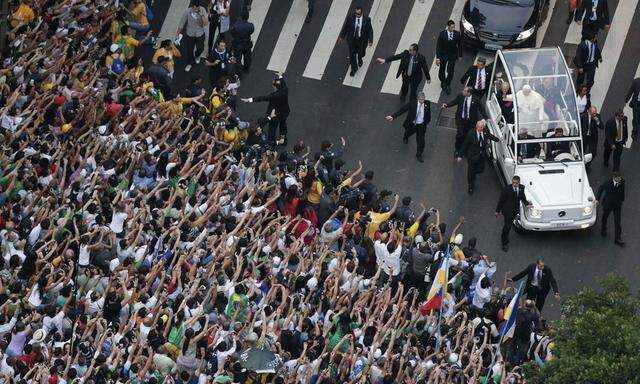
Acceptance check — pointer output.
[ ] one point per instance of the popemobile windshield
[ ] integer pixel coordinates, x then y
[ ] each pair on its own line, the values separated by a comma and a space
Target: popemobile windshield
533, 111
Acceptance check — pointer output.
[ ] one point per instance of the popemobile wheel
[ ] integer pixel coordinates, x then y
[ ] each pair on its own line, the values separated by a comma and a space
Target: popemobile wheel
517, 227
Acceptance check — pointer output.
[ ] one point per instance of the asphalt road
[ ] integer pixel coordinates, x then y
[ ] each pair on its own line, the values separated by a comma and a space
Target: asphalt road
327, 109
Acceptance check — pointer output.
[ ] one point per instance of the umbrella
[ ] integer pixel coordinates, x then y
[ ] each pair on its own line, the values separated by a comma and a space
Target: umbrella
260, 361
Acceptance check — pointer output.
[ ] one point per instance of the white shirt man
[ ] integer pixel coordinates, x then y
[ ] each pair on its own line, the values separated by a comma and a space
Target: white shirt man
419, 113
388, 261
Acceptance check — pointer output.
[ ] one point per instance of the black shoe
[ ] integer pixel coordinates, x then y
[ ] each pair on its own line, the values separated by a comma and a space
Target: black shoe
470, 191
505, 247
352, 73
360, 63
405, 139
619, 243
307, 19
420, 158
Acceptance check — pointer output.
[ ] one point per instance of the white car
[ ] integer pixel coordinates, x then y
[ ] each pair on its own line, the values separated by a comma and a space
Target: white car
537, 121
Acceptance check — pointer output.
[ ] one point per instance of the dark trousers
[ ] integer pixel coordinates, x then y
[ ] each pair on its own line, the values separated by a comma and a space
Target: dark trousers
589, 27
192, 43
213, 25
635, 122
606, 210
587, 75
473, 168
538, 295
591, 146
357, 50
462, 126
448, 66
311, 7
506, 228
409, 84
274, 124
243, 56
419, 130
617, 154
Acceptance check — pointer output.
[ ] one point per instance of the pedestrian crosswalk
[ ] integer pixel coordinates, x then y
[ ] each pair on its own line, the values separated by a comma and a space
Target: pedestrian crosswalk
419, 21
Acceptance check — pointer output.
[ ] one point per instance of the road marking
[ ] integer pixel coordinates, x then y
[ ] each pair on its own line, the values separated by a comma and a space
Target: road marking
379, 13
327, 39
629, 112
412, 32
574, 33
611, 50
432, 91
545, 24
288, 36
257, 16
172, 19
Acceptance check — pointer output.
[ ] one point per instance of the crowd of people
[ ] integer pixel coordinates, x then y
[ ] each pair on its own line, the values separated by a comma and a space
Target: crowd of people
154, 238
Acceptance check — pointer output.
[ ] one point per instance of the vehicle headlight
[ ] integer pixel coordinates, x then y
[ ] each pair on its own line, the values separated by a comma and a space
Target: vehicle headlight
535, 213
467, 26
526, 34
587, 210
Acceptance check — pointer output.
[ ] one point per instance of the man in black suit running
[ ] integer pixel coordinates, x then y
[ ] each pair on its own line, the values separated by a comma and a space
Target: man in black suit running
611, 195
474, 149
448, 49
358, 31
509, 206
412, 66
468, 113
418, 116
540, 281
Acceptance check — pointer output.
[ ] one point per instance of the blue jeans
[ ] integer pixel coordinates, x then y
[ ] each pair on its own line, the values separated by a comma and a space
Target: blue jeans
141, 29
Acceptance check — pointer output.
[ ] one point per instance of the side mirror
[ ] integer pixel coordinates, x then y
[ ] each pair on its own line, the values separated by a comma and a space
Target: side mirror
588, 157
509, 161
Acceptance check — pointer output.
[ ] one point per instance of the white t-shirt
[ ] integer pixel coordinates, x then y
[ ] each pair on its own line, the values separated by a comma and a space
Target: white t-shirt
117, 222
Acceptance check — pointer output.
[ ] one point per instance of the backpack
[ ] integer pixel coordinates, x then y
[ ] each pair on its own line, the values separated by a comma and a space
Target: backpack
117, 66
149, 13
349, 197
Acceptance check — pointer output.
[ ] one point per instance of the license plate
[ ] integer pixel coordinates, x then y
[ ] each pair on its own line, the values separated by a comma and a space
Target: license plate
494, 47
558, 225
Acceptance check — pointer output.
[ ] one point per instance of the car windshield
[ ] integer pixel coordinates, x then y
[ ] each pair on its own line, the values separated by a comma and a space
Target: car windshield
557, 148
519, 3
544, 95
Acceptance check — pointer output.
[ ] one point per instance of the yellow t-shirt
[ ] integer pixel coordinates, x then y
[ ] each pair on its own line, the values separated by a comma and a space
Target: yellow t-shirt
315, 192
131, 44
376, 220
455, 250
166, 53
23, 15
140, 14
413, 229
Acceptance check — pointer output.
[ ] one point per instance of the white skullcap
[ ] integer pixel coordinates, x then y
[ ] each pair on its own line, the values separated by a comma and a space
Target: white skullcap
458, 239
312, 283
114, 48
377, 353
453, 358
526, 87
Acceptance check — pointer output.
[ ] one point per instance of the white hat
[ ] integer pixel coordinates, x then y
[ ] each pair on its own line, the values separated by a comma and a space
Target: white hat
312, 283
458, 239
453, 358
333, 264
38, 336
419, 239
114, 48
102, 129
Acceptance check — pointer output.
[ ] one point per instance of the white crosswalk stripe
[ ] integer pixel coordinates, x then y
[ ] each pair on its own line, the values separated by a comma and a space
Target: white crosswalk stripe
379, 13
257, 16
412, 32
574, 34
629, 112
288, 36
327, 39
432, 91
171, 21
612, 50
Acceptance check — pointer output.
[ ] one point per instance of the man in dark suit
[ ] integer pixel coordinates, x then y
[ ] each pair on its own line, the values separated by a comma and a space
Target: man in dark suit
633, 97
358, 31
615, 137
448, 49
474, 149
590, 122
596, 16
468, 113
527, 150
540, 281
586, 61
611, 195
509, 206
277, 109
242, 44
412, 66
478, 77
418, 116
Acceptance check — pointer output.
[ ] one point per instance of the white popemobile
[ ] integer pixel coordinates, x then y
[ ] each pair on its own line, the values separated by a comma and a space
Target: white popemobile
532, 109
